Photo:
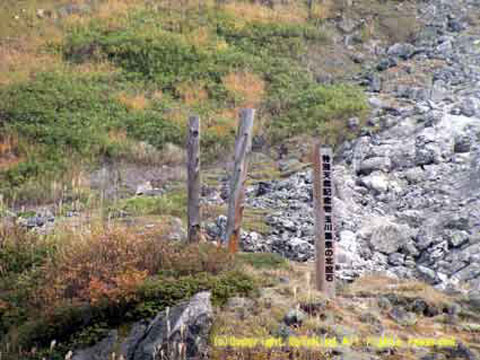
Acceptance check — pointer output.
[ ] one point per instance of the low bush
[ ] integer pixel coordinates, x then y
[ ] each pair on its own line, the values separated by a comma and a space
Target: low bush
57, 286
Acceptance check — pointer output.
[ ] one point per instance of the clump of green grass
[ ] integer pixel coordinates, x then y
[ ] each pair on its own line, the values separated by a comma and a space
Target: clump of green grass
264, 260
173, 203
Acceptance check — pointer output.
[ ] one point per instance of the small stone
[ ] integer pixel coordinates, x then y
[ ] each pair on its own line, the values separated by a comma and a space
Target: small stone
427, 273
463, 143
294, 317
469, 107
396, 259
401, 50
263, 188
144, 188
353, 123
473, 298
377, 181
457, 238
377, 163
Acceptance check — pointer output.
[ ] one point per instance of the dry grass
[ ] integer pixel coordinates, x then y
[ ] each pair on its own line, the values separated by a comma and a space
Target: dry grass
199, 38
94, 67
322, 9
135, 103
293, 12
172, 155
9, 151
249, 87
113, 8
177, 116
112, 13
20, 58
372, 285
223, 122
288, 12
192, 93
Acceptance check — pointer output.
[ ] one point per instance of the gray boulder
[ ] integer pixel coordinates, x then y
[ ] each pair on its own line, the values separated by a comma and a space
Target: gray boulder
470, 107
367, 166
100, 351
401, 50
183, 329
294, 317
377, 181
388, 237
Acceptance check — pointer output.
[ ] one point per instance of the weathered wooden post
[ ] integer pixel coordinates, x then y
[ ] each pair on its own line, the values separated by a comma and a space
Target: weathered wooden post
324, 231
193, 169
243, 145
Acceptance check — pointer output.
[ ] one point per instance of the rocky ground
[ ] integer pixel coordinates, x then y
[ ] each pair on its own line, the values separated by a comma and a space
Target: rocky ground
407, 191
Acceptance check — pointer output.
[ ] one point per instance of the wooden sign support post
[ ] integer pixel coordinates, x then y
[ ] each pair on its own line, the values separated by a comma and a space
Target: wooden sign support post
193, 170
324, 231
243, 145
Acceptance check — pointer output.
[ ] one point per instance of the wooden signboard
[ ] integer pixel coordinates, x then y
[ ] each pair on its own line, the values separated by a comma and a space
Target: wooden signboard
323, 193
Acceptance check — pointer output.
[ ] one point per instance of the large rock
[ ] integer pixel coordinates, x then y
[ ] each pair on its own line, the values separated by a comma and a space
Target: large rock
388, 237
186, 325
376, 163
377, 182
401, 50
100, 351
470, 107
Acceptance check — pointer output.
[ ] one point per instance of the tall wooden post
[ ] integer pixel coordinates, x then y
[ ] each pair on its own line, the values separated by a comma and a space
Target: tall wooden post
193, 169
243, 145
324, 232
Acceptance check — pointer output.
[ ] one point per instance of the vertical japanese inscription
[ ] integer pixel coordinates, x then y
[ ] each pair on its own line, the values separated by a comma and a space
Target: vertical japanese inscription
324, 227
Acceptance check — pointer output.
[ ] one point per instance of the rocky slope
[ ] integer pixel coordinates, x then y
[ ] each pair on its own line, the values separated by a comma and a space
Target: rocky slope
408, 189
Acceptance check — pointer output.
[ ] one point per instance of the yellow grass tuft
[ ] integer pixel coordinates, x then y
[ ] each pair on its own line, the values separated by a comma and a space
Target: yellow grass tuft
94, 67
21, 58
199, 38
249, 87
192, 94
322, 10
375, 284
157, 95
117, 136
111, 8
135, 103
293, 12
8, 152
177, 116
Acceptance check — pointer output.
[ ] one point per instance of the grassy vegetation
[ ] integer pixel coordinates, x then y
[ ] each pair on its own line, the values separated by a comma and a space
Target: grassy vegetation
122, 77
172, 203
264, 260
70, 285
